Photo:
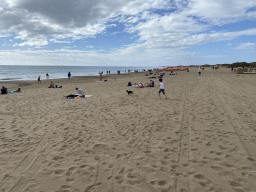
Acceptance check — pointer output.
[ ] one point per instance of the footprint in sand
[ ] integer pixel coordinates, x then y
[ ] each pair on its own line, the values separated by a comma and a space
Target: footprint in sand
70, 171
56, 158
153, 182
162, 183
199, 176
129, 175
122, 171
121, 155
222, 147
118, 177
70, 179
58, 171
235, 184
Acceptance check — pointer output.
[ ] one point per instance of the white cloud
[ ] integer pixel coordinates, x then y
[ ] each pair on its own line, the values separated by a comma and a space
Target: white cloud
56, 41
247, 46
221, 11
33, 42
165, 36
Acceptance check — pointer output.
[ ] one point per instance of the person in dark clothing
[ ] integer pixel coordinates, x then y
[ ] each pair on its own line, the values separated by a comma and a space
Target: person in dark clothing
4, 90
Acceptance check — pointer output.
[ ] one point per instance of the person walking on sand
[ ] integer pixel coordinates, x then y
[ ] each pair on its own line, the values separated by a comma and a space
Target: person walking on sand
161, 88
38, 79
199, 71
69, 75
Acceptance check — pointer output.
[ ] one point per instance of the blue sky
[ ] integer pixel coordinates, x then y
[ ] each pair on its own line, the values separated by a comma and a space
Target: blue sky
127, 32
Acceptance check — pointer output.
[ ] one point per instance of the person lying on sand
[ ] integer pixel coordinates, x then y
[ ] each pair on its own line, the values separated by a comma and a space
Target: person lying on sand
16, 91
51, 85
140, 85
79, 94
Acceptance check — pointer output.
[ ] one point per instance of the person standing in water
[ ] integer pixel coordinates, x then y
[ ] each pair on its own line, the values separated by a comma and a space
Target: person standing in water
69, 75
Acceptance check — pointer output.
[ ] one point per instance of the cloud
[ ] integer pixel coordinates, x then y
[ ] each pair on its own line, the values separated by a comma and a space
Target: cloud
247, 46
65, 18
56, 41
164, 28
5, 35
221, 11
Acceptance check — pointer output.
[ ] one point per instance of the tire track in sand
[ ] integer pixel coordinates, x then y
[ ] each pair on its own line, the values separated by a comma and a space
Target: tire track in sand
30, 164
235, 122
182, 181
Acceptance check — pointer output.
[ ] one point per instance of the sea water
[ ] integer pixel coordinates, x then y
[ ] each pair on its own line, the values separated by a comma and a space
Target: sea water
18, 72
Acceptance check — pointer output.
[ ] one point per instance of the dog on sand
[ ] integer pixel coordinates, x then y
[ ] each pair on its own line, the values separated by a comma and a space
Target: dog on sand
129, 92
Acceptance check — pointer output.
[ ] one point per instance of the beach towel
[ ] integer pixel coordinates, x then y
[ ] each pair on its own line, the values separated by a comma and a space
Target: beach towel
11, 92
73, 96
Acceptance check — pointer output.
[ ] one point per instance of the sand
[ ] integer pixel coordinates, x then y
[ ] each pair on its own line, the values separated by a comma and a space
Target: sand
202, 138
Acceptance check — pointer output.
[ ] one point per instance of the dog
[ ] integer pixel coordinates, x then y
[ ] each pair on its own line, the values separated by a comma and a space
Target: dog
129, 92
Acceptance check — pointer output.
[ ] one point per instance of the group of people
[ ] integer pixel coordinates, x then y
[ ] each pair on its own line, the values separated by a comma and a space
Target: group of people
141, 85
4, 90
47, 77
151, 84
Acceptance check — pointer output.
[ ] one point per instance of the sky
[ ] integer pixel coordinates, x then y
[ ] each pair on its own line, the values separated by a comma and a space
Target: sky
127, 32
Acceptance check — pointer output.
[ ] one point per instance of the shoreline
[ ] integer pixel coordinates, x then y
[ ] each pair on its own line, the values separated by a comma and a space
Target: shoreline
22, 83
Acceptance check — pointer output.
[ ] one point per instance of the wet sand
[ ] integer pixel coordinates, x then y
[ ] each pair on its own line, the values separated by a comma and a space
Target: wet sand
202, 138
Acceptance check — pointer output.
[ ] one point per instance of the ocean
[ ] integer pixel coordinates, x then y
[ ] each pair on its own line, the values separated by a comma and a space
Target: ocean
18, 72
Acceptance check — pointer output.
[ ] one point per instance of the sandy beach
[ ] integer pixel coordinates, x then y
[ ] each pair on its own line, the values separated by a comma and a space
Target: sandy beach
202, 138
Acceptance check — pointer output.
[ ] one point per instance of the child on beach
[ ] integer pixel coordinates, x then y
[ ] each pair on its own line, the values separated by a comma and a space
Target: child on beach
161, 88
38, 79
199, 71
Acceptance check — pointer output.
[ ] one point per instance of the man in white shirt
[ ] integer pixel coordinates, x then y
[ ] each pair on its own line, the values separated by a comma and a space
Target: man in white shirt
199, 71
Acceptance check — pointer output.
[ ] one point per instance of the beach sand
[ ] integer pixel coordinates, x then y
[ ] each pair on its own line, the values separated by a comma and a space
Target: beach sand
202, 138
